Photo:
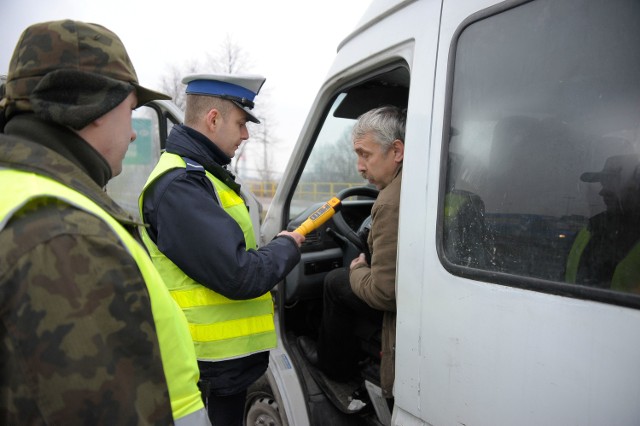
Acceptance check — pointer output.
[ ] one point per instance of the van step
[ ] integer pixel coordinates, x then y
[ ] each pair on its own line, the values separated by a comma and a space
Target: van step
379, 403
346, 396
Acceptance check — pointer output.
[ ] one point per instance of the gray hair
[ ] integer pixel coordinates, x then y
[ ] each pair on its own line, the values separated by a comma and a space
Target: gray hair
386, 123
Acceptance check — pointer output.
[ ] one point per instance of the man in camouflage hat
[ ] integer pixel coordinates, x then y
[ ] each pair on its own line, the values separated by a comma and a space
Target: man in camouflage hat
90, 334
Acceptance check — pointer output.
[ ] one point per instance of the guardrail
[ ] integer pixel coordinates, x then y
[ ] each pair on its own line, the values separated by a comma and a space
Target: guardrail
319, 191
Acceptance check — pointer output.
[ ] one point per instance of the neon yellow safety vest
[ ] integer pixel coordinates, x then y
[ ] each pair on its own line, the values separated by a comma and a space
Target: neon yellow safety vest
221, 328
626, 276
177, 352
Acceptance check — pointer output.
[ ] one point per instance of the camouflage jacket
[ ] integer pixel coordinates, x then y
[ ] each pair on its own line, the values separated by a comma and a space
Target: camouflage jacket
78, 343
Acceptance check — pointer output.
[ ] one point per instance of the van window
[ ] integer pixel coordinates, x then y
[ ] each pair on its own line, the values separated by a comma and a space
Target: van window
331, 165
542, 175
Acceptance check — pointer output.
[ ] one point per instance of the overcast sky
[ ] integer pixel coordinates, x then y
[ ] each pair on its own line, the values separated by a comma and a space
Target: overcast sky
292, 43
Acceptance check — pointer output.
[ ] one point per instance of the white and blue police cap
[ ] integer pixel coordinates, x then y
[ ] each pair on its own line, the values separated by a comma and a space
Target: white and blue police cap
237, 88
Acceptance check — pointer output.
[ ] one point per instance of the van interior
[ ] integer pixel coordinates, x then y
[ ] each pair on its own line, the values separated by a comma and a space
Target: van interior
330, 170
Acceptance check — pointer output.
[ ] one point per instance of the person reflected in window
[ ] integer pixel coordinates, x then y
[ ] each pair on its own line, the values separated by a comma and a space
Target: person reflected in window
606, 253
466, 240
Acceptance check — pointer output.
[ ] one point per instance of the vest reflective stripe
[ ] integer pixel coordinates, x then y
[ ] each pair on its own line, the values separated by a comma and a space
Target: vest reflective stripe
225, 308
626, 276
176, 348
221, 328
231, 329
197, 418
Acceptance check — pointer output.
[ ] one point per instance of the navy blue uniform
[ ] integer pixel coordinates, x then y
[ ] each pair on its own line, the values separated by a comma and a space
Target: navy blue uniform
190, 227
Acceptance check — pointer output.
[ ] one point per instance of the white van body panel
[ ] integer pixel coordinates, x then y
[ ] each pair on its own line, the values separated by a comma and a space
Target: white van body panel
282, 376
567, 361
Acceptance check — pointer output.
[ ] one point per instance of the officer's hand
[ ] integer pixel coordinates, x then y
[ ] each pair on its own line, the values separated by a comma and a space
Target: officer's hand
299, 238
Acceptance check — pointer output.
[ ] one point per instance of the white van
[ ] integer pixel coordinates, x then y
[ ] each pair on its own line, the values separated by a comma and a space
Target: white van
516, 106
523, 307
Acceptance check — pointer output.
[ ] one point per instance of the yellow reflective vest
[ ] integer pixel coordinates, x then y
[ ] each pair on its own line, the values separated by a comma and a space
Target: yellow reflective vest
626, 276
177, 352
221, 328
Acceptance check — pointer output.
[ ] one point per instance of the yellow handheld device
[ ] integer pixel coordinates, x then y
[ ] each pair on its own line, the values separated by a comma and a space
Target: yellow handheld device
319, 217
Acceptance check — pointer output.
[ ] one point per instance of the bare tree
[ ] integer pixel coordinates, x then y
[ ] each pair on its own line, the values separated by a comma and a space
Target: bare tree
171, 82
230, 58
263, 143
256, 154
337, 160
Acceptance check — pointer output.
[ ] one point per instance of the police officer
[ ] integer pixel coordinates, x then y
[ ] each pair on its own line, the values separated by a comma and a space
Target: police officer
90, 333
202, 241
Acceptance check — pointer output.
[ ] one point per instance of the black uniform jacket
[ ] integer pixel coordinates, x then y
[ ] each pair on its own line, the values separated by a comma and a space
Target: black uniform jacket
193, 230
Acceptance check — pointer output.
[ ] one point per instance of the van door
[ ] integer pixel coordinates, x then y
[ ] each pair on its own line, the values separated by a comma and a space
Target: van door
329, 170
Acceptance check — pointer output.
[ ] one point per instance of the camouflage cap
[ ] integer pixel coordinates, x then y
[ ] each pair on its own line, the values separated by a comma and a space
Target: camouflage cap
71, 47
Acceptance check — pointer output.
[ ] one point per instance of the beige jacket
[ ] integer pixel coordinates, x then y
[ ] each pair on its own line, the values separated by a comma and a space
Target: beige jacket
376, 285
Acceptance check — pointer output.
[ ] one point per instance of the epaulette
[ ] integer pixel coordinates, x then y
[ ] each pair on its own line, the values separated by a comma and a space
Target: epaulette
193, 166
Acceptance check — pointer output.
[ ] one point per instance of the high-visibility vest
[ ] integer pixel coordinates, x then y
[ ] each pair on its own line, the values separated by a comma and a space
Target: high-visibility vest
465, 231
454, 202
176, 349
626, 276
221, 328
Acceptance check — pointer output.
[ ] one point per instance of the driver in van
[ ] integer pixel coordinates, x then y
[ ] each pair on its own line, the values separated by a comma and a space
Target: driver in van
606, 253
364, 290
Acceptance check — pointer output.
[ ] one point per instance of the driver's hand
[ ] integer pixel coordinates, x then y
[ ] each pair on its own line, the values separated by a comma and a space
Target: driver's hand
360, 260
298, 238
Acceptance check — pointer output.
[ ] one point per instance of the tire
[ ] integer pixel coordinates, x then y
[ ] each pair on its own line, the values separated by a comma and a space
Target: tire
262, 410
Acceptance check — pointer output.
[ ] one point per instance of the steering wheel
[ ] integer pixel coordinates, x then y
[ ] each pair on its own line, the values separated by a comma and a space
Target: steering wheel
357, 238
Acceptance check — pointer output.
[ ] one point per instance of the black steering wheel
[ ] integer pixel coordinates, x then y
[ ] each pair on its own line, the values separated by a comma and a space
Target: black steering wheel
356, 238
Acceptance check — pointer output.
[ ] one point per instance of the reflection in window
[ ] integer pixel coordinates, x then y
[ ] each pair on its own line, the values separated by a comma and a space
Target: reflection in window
543, 170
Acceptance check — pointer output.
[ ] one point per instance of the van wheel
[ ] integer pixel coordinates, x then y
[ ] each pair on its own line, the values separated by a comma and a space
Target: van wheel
263, 411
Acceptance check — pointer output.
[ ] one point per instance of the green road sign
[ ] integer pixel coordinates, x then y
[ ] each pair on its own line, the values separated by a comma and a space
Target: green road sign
139, 152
